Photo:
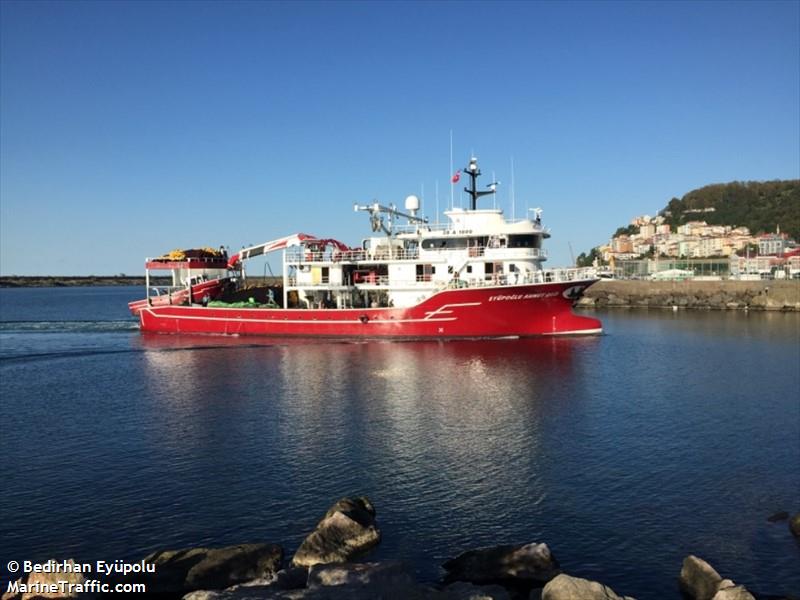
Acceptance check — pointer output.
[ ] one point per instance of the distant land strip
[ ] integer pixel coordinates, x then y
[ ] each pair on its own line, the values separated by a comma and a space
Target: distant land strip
78, 280
12, 281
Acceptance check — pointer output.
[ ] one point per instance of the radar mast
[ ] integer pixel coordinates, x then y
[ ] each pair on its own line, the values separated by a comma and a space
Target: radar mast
473, 171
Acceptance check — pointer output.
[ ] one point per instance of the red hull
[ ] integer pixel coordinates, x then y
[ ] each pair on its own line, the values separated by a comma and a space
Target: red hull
503, 311
212, 289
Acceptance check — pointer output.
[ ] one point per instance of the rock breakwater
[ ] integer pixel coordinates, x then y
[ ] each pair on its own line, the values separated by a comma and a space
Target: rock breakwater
321, 570
774, 295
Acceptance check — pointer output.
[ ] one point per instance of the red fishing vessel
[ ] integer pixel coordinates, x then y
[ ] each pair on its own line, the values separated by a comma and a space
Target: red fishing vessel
478, 275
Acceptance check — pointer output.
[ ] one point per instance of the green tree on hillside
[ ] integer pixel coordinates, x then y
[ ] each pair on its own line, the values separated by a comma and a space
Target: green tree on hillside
629, 230
760, 206
587, 260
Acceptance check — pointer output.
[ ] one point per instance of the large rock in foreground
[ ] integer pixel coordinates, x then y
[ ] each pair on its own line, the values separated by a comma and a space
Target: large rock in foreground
389, 580
729, 591
182, 571
346, 530
700, 581
461, 590
527, 564
564, 587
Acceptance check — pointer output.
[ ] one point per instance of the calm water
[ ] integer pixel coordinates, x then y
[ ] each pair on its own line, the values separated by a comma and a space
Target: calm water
671, 434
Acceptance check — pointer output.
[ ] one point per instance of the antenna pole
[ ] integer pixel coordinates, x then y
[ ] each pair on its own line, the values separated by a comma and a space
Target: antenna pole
513, 193
451, 170
437, 201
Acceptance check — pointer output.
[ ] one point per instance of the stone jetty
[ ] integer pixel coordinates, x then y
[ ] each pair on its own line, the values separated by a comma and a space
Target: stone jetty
777, 295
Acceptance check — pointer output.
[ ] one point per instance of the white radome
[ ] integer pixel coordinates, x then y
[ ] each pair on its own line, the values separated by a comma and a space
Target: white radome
412, 203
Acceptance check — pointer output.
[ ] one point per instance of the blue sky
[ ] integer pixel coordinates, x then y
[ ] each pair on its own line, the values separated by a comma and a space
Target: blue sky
129, 129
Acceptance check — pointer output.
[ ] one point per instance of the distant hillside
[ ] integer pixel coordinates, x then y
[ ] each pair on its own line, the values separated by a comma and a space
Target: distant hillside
758, 205
761, 206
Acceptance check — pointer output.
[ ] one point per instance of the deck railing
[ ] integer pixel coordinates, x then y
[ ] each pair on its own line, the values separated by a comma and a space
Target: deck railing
299, 256
427, 282
164, 290
445, 227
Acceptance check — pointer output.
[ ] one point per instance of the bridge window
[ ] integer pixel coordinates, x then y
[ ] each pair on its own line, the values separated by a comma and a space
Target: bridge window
444, 243
525, 241
424, 272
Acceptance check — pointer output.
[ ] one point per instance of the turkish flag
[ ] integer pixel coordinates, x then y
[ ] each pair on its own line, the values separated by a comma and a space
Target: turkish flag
456, 177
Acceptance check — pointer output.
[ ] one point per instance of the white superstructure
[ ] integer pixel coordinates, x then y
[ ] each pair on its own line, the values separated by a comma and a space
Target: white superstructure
402, 265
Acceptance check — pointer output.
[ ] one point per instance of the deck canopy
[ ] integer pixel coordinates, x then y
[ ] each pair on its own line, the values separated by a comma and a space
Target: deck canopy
193, 258
155, 264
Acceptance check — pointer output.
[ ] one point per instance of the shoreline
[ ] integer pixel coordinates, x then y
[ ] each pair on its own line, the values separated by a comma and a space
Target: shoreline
330, 564
39, 281
31, 281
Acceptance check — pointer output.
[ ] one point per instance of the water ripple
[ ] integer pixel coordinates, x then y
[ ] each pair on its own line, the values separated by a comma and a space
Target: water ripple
124, 326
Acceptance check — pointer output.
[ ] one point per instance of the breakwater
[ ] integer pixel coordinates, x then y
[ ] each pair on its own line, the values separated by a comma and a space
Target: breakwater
707, 295
322, 568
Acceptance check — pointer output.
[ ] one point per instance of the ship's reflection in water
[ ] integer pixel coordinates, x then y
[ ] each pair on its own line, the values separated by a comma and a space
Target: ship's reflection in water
624, 452
446, 437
